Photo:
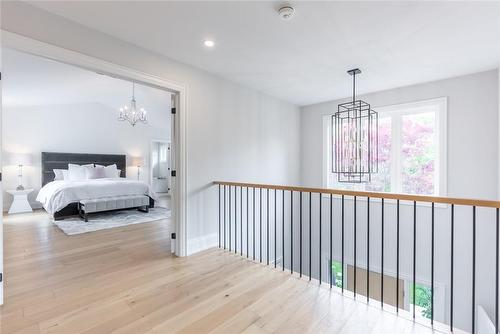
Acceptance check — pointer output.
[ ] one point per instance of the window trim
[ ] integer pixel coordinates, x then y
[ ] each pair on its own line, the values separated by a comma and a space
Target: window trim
441, 176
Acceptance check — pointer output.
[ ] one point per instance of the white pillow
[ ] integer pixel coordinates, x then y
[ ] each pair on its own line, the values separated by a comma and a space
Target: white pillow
118, 172
58, 174
110, 171
95, 173
76, 172
65, 174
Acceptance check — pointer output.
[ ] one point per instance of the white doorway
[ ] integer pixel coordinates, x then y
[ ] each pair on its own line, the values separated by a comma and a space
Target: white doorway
160, 166
177, 159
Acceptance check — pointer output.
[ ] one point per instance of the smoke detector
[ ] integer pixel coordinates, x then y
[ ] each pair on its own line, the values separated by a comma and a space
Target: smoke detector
286, 12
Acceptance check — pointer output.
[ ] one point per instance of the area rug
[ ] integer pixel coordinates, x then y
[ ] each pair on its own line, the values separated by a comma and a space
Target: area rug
111, 219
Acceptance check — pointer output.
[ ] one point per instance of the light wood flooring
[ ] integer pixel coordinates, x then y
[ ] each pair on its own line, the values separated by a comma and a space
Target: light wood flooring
125, 280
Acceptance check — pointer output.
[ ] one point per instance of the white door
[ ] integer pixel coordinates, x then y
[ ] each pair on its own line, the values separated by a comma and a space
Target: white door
1, 194
169, 190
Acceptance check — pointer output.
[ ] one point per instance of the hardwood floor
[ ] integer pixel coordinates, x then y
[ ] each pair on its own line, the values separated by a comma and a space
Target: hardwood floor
125, 281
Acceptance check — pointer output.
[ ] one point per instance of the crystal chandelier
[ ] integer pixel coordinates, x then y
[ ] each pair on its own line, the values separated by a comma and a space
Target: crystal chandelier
131, 113
354, 139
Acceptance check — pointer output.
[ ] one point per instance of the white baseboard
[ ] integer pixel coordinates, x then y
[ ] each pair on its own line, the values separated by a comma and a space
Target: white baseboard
199, 244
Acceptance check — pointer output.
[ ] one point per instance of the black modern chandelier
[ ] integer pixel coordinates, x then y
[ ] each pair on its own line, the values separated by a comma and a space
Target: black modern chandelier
355, 139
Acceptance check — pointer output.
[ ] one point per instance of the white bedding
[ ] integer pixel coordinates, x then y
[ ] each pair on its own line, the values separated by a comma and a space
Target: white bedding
56, 195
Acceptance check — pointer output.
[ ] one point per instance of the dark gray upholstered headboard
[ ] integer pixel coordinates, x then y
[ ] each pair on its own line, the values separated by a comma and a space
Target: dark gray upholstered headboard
54, 160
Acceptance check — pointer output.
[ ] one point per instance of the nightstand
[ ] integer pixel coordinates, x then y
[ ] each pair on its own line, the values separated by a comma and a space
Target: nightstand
20, 203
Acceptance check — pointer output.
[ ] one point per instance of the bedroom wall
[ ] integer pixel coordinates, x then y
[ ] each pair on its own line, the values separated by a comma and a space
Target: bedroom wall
233, 133
76, 128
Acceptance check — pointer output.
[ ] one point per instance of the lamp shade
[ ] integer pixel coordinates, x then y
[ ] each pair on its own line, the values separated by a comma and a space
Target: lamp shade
16, 159
137, 161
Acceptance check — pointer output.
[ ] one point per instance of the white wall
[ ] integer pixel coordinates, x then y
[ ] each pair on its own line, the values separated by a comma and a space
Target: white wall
76, 128
472, 173
472, 131
233, 133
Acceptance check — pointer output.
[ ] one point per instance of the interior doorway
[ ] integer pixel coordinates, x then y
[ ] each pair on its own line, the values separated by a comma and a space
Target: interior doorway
176, 158
160, 167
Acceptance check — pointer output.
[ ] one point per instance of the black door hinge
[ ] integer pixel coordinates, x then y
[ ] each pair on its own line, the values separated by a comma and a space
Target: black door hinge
173, 173
173, 111
1, 277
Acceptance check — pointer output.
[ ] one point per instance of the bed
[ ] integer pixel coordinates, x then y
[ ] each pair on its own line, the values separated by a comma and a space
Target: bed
60, 198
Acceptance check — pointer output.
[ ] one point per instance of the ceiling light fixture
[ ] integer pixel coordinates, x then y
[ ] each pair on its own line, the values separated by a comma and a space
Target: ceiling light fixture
355, 139
209, 43
131, 114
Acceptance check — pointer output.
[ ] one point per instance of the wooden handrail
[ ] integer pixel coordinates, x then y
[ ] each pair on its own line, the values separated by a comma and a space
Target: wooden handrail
371, 194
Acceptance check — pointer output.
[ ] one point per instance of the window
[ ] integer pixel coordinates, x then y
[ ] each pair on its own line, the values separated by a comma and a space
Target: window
412, 150
336, 268
421, 300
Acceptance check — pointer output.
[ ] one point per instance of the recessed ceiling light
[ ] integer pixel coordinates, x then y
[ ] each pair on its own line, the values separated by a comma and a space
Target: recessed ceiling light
209, 43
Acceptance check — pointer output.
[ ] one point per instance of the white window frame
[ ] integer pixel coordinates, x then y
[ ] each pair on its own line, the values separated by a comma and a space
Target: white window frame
396, 112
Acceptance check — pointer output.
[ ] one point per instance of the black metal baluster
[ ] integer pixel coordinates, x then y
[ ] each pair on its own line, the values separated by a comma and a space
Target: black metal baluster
496, 272
291, 231
248, 223
473, 269
342, 243
283, 230
368, 249
310, 236
300, 234
355, 241
397, 256
432, 265
275, 215
414, 254
452, 263
241, 221
229, 201
319, 227
260, 225
219, 219
253, 218
224, 216
267, 220
331, 241
235, 220
382, 260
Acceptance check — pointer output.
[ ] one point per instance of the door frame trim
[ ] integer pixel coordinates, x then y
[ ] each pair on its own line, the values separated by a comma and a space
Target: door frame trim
70, 57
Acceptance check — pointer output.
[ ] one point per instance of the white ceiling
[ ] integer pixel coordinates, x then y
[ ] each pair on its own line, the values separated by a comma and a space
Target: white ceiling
305, 60
35, 81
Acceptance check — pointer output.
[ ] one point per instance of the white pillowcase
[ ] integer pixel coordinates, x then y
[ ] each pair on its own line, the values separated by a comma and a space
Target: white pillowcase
95, 173
58, 174
77, 172
111, 171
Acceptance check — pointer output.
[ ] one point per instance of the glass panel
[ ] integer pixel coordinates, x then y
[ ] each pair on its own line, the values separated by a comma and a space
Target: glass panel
418, 153
381, 181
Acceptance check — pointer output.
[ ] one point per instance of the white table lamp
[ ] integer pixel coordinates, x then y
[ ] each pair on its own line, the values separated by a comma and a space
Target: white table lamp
19, 160
138, 162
